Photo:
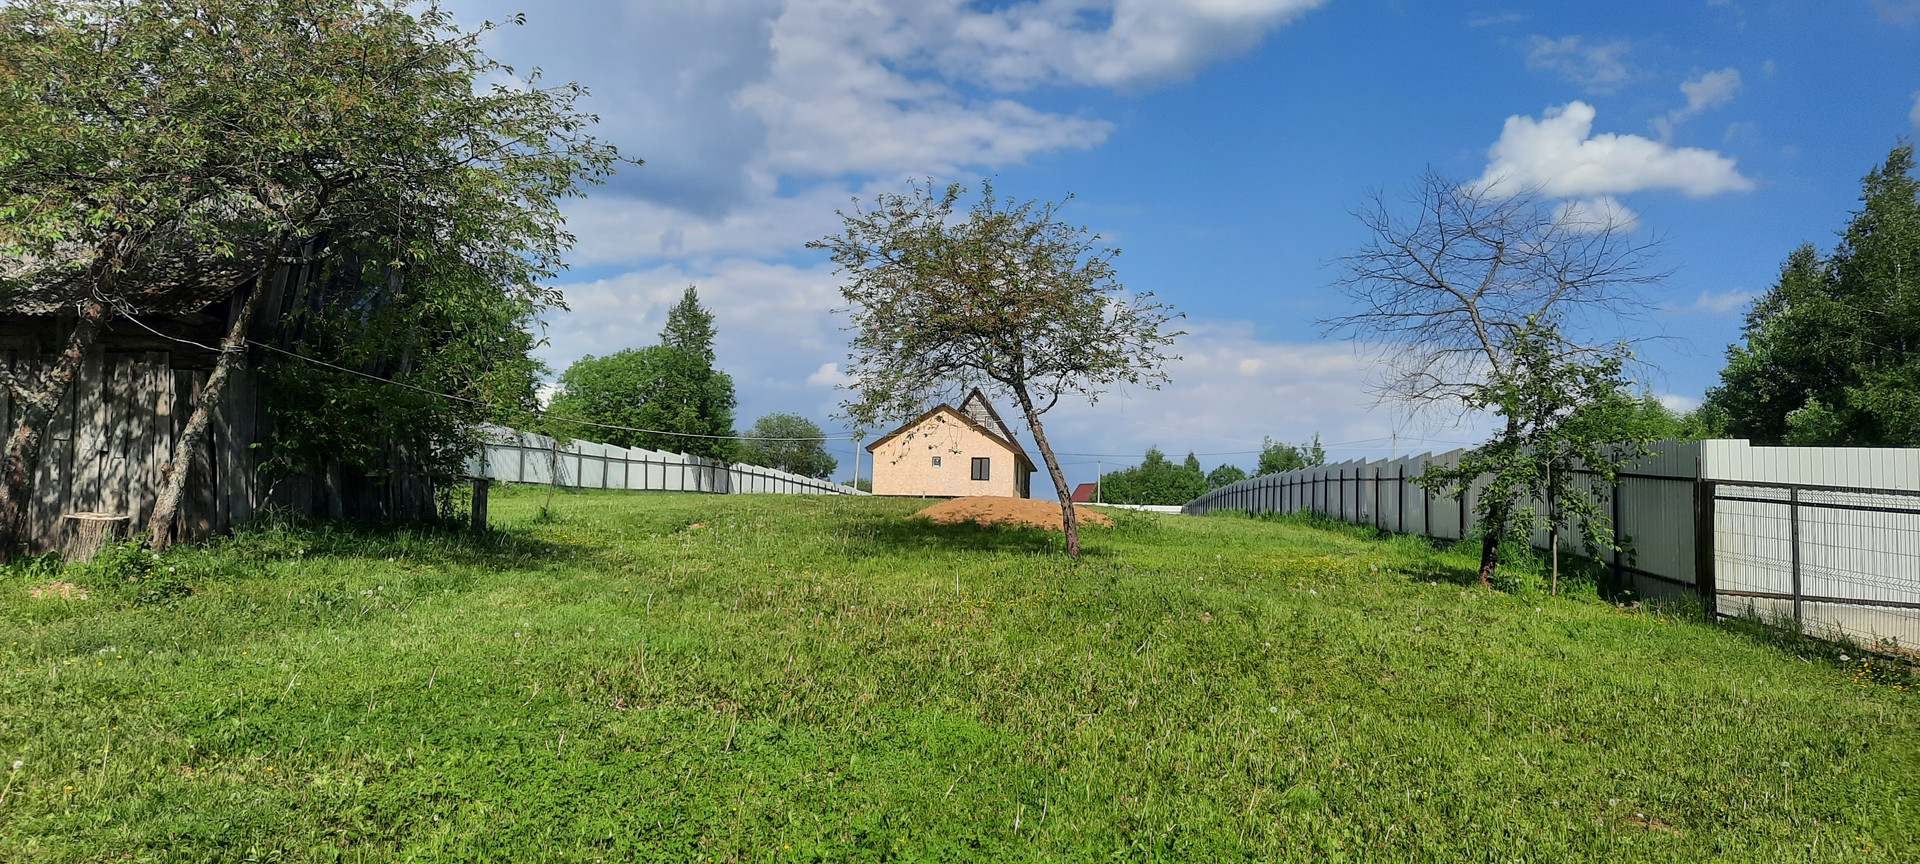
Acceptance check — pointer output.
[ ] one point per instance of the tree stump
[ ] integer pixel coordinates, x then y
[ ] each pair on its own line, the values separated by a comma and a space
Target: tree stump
83, 534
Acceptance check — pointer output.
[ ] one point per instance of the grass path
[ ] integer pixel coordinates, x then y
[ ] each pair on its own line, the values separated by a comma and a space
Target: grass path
760, 678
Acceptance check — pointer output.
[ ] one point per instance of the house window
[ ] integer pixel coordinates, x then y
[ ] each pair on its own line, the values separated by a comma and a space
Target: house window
981, 468
936, 461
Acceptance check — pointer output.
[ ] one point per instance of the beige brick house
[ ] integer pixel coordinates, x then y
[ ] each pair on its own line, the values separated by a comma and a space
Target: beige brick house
952, 452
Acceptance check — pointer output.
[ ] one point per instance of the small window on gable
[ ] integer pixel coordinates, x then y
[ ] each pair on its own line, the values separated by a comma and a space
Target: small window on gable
936, 461
982, 468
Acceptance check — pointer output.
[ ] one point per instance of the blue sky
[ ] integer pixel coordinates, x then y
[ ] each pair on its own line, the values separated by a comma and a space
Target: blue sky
1221, 144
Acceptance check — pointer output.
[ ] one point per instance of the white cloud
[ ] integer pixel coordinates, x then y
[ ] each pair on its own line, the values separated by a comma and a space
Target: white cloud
1595, 215
1141, 40
829, 375
1709, 89
1714, 303
758, 118
1677, 403
1596, 66
1703, 91
1914, 115
1561, 156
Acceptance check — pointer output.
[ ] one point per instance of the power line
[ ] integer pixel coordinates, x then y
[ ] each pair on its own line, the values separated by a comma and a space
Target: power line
534, 411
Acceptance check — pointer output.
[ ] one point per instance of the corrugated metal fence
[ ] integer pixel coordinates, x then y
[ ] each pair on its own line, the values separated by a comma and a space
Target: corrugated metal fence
1826, 536
513, 456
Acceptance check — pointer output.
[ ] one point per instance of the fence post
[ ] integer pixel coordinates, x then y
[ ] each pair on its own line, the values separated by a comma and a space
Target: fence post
1400, 499
1466, 492
1618, 571
480, 506
1376, 497
1793, 539
1426, 501
1703, 545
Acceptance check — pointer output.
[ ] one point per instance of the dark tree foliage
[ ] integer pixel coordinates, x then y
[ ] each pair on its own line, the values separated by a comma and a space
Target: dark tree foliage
690, 327
1278, 458
659, 388
160, 151
1831, 354
788, 442
1156, 480
1225, 475
1565, 409
671, 389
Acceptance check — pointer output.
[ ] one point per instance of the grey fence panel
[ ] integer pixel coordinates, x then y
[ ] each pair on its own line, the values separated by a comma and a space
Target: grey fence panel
520, 457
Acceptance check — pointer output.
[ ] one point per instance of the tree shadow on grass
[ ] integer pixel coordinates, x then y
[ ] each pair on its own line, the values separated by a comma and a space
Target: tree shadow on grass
277, 535
894, 535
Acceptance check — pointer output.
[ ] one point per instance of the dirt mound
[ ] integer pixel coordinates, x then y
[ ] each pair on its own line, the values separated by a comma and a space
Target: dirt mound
989, 510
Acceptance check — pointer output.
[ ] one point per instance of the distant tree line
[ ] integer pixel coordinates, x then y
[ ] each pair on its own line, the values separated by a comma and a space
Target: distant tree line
672, 397
1159, 480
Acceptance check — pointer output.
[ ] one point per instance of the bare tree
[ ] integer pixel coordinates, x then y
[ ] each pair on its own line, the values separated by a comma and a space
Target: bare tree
1449, 287
1010, 298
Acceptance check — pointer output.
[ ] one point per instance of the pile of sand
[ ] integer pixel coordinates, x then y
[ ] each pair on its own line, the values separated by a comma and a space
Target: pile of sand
989, 510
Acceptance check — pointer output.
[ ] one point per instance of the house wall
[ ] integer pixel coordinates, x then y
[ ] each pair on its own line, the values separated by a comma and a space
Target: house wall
904, 465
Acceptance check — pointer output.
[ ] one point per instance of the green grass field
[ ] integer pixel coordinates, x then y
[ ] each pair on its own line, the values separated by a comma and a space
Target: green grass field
757, 678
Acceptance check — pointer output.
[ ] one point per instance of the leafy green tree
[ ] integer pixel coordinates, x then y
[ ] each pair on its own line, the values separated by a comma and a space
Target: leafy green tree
1279, 458
1831, 353
671, 389
1010, 298
156, 154
1645, 418
1451, 291
686, 404
1565, 409
1156, 480
1225, 475
788, 442
690, 327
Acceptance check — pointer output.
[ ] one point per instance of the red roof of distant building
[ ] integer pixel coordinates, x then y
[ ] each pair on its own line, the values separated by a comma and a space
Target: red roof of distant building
1083, 493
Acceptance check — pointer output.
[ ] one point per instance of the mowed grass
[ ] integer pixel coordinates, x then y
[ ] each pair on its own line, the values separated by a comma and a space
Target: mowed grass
654, 677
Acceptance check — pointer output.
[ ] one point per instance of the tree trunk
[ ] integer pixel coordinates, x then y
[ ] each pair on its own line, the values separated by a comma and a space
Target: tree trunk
1489, 555
233, 356
35, 409
1069, 521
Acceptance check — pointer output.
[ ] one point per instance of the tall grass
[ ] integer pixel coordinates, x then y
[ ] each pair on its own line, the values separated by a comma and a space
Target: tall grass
768, 678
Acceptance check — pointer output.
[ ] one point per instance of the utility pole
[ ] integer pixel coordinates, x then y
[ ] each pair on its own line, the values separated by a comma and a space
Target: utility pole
1099, 477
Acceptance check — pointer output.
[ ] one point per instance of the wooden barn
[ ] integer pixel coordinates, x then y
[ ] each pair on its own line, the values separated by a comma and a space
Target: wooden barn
105, 452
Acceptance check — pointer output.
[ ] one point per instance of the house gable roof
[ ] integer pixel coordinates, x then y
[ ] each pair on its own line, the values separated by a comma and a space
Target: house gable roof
1005, 440
977, 407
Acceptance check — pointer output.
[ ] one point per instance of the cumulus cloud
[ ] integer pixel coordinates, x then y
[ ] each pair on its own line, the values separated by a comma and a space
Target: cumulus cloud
1596, 215
1703, 91
1714, 303
1229, 389
1596, 66
1561, 156
1103, 42
757, 118
829, 375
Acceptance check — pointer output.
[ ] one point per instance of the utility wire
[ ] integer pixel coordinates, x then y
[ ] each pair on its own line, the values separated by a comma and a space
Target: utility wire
535, 411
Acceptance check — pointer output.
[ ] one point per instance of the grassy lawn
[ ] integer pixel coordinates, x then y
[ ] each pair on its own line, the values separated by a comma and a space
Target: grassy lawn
760, 678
